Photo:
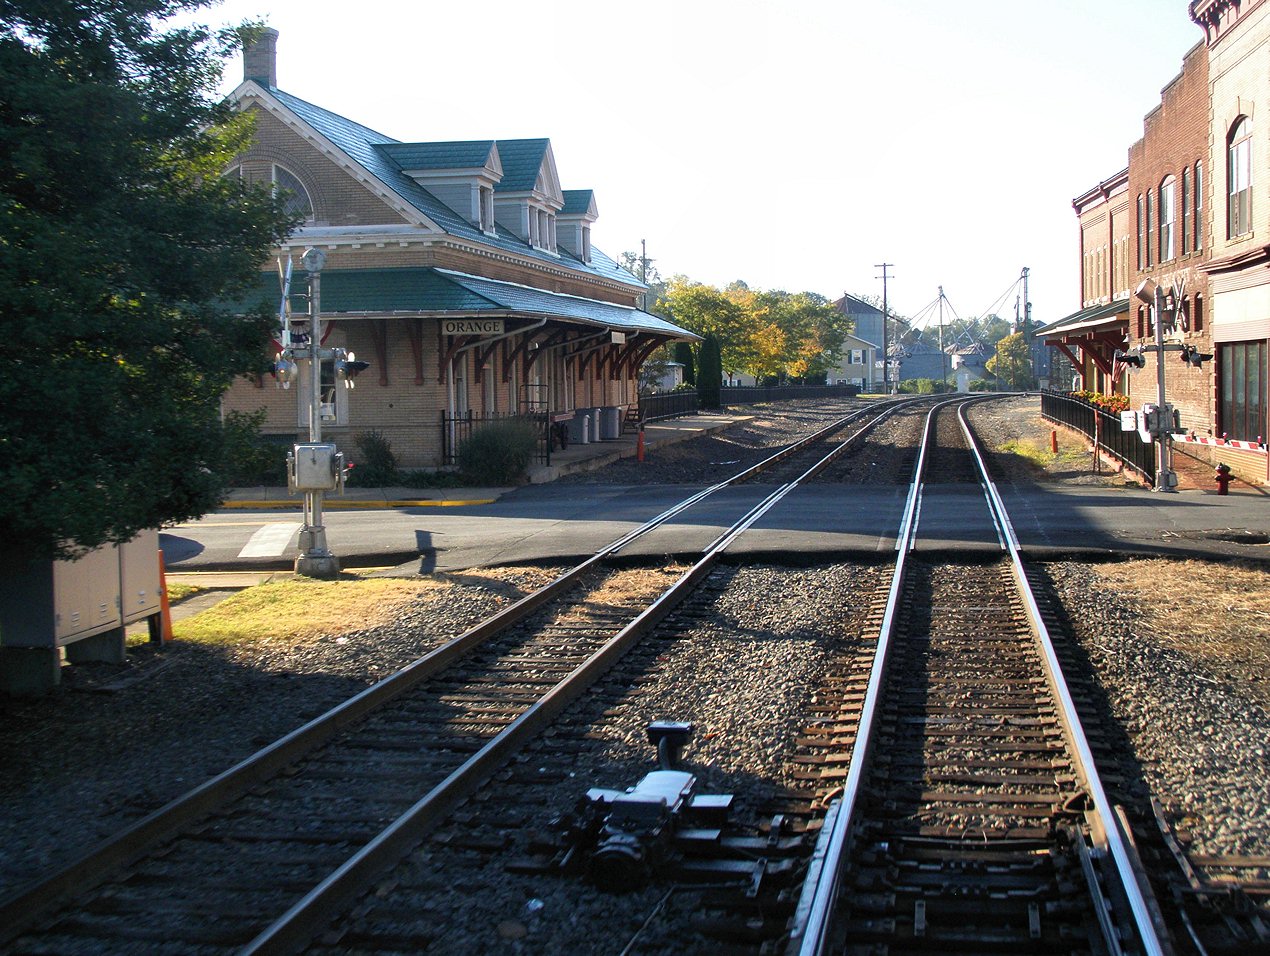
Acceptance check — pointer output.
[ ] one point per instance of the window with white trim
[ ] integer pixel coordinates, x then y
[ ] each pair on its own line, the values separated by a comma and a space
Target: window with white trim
1239, 179
1167, 248
1187, 210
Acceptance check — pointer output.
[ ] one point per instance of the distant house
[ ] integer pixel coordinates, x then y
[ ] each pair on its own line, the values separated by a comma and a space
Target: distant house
461, 271
867, 329
856, 367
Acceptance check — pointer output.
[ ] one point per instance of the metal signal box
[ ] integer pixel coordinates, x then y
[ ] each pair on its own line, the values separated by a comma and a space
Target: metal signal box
315, 466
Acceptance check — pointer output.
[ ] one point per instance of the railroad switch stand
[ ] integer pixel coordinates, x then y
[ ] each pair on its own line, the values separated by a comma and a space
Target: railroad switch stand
662, 828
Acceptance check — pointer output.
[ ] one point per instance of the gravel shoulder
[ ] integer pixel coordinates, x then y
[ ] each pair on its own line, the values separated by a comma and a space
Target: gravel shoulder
103, 752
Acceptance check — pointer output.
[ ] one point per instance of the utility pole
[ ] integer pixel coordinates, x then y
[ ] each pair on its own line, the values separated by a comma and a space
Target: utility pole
643, 273
943, 356
886, 359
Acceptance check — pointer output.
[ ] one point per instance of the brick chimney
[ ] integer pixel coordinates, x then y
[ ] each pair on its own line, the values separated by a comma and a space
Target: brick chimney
260, 59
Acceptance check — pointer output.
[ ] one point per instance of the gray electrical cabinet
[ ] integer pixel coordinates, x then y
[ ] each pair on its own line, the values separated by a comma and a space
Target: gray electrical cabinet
76, 609
139, 579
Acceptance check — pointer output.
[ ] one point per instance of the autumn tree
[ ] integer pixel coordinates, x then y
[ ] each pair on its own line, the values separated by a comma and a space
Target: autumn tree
120, 243
1012, 363
706, 310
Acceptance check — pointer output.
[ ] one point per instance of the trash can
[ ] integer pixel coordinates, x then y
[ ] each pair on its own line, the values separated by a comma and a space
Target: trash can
580, 427
610, 422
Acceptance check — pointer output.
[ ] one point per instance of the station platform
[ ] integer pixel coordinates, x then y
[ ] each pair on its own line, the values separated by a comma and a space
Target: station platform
575, 458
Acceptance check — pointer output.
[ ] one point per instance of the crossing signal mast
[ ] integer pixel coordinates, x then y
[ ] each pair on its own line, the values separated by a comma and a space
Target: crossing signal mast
313, 467
1160, 420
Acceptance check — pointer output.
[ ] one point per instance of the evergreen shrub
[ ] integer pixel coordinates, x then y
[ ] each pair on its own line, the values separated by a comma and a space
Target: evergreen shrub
498, 453
376, 465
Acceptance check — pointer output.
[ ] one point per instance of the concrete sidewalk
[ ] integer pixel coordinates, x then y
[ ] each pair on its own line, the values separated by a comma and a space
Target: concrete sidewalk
575, 458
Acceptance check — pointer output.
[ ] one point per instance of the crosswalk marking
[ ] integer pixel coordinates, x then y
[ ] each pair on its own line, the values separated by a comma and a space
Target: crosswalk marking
271, 540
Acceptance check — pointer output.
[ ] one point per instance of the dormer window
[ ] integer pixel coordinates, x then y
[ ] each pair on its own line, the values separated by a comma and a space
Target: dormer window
487, 209
296, 201
586, 243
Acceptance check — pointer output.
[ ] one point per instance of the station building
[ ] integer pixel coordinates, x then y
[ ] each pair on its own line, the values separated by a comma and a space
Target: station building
461, 271
1183, 215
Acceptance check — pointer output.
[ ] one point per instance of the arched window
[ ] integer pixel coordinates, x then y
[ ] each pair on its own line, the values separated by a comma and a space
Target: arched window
1167, 248
1239, 179
295, 196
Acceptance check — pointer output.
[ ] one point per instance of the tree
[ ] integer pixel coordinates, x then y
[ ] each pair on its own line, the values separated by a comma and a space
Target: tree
682, 352
710, 381
121, 245
704, 309
1012, 363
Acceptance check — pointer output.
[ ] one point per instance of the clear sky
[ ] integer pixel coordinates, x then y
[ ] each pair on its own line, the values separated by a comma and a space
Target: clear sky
792, 144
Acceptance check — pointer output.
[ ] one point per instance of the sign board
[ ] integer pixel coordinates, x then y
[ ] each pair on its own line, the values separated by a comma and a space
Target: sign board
471, 326
1129, 421
618, 338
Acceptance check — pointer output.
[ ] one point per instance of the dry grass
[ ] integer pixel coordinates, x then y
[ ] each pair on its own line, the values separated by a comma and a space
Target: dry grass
623, 589
1217, 611
301, 609
179, 592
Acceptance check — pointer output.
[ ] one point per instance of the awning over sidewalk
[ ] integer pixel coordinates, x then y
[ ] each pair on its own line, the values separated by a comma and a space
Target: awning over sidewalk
1091, 337
1096, 317
440, 293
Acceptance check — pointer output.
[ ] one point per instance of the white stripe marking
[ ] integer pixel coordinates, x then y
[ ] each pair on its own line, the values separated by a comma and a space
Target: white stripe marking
271, 540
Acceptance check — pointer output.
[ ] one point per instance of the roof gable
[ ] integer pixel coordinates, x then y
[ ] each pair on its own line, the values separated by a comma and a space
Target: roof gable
579, 202
529, 166
365, 147
472, 158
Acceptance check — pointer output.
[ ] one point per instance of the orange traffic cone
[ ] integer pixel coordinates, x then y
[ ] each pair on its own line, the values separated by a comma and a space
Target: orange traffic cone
165, 610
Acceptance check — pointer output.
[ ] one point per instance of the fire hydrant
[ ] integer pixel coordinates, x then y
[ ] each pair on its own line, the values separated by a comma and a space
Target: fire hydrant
1222, 478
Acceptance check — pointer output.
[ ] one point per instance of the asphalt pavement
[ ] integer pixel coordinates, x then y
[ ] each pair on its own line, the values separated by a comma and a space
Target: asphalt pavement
411, 530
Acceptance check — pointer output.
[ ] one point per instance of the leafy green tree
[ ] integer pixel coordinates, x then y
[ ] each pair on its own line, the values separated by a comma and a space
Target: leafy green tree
1012, 363
704, 309
710, 381
682, 352
120, 244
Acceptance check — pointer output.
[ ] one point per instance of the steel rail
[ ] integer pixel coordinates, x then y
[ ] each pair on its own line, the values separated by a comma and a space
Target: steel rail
28, 903
812, 921
1118, 844
812, 918
297, 926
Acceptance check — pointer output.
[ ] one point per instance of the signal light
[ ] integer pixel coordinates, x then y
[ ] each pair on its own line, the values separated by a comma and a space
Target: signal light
1136, 359
1193, 356
284, 370
348, 368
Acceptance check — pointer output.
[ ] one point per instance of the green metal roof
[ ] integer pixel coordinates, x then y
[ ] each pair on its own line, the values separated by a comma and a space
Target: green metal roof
522, 160
367, 147
577, 202
456, 155
435, 292
1094, 315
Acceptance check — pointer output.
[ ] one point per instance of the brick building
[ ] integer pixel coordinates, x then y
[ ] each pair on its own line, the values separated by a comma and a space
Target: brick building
1168, 171
1237, 38
1184, 214
461, 271
1087, 339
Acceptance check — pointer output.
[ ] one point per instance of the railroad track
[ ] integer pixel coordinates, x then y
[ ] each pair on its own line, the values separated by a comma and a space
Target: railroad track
972, 815
254, 859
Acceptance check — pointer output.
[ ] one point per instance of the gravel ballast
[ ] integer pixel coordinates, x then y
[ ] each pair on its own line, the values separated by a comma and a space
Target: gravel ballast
88, 759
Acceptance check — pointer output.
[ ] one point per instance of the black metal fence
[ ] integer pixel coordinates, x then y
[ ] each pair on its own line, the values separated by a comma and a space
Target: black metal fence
1103, 429
688, 402
457, 429
668, 405
754, 394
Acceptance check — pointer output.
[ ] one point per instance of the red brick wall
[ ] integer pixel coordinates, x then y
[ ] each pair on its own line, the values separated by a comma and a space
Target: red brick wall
1175, 136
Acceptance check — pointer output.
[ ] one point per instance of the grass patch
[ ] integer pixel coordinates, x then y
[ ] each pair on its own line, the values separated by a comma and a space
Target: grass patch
179, 592
301, 609
1030, 450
